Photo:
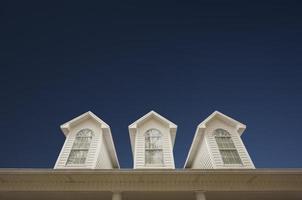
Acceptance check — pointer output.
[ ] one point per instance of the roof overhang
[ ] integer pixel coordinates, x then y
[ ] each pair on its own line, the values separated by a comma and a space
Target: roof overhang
260, 180
66, 127
201, 129
152, 114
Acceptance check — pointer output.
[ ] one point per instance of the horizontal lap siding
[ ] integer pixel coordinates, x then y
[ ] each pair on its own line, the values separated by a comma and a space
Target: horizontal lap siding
93, 149
139, 160
99, 156
139, 151
62, 159
202, 159
245, 158
93, 154
104, 160
168, 152
213, 147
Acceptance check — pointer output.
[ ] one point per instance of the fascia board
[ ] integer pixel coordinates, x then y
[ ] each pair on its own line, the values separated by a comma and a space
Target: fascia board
66, 127
110, 144
133, 127
196, 141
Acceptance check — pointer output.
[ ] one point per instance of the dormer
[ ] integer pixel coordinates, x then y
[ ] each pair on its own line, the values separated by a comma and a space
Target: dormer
152, 140
217, 144
88, 144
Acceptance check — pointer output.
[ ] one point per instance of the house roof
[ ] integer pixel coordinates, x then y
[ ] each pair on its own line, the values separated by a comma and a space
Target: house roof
152, 114
200, 131
66, 127
49, 180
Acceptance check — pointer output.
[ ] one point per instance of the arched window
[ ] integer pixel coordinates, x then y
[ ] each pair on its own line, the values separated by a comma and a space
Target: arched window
153, 147
226, 147
80, 147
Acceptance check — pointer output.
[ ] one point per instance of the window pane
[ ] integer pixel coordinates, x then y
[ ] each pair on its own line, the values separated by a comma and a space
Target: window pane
82, 142
153, 139
80, 147
77, 157
226, 146
154, 157
153, 147
230, 157
148, 142
85, 133
225, 142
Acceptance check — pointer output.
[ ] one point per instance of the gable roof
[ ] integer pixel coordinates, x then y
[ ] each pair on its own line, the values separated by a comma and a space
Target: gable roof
200, 132
152, 114
66, 127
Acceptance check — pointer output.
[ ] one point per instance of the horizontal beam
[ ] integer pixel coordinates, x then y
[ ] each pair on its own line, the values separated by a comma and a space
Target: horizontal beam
258, 180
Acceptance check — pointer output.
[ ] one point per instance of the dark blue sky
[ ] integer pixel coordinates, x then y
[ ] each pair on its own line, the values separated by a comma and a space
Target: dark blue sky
121, 60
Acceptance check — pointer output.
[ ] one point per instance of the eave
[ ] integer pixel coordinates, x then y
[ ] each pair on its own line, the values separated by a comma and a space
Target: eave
258, 180
133, 127
201, 129
66, 127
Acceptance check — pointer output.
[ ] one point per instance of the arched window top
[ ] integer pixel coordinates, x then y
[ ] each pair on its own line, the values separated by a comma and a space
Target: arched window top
80, 147
153, 133
226, 146
85, 133
221, 133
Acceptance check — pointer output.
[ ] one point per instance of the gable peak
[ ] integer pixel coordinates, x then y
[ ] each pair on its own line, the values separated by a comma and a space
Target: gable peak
152, 114
218, 115
85, 116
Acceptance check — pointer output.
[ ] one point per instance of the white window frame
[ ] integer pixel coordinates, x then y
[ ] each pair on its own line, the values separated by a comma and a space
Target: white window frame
80, 146
226, 147
150, 147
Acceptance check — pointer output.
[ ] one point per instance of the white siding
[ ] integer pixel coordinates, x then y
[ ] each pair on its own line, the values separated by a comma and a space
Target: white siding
63, 156
139, 154
244, 155
139, 150
104, 161
213, 148
92, 154
202, 158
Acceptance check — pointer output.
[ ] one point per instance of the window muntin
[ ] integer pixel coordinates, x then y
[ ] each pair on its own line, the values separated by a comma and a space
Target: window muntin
226, 146
77, 157
153, 147
80, 147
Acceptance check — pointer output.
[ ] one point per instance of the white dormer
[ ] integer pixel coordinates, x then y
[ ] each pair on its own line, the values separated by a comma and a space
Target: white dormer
88, 144
217, 145
152, 140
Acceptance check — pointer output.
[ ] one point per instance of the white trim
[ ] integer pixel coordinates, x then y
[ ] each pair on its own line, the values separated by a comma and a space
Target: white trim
275, 180
66, 127
133, 127
200, 130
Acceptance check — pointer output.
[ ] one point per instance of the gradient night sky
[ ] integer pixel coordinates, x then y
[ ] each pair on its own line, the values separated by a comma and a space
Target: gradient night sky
121, 60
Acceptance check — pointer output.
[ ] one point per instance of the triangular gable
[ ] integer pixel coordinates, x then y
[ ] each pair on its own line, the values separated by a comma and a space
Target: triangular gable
87, 115
239, 126
66, 127
203, 125
152, 114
